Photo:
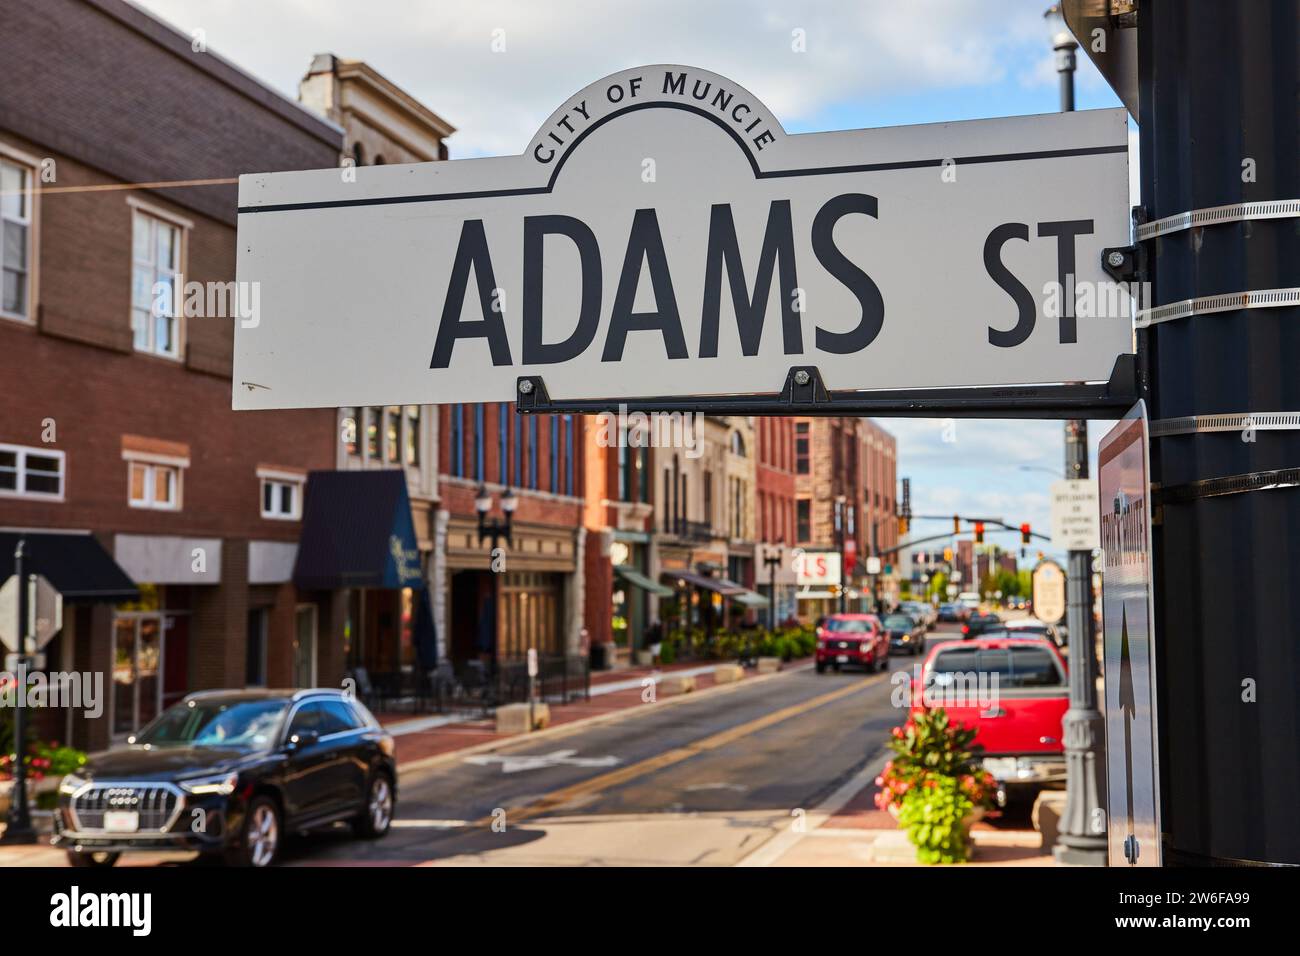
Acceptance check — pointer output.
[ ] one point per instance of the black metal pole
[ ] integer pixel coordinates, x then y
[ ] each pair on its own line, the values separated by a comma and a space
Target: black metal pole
1082, 836
18, 828
1219, 126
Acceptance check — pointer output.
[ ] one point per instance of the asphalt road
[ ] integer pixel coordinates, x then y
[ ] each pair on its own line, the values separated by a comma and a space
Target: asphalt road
704, 780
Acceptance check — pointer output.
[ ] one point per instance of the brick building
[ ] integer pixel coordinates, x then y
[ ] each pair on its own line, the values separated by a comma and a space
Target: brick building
117, 407
845, 481
775, 505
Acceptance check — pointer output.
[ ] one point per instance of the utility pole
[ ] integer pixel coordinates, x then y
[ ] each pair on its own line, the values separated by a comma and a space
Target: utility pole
1220, 130
1082, 836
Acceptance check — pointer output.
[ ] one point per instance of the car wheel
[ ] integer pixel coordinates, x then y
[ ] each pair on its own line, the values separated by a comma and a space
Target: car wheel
101, 858
377, 815
262, 834
821, 667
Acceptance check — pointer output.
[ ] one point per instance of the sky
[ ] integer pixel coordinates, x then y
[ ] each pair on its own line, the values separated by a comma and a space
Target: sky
495, 69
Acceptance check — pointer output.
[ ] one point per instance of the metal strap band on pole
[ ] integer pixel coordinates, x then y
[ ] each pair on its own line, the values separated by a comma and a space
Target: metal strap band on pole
1229, 485
1218, 215
1231, 422
1226, 302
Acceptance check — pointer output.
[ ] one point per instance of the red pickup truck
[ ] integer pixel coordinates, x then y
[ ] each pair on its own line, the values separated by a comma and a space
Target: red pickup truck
1014, 692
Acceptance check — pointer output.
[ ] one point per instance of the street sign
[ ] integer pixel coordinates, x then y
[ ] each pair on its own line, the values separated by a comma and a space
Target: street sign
818, 568
532, 662
1049, 592
1074, 515
873, 565
662, 232
1132, 759
44, 612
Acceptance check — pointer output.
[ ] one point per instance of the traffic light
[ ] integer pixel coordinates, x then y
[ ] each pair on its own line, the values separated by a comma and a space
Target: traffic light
956, 525
979, 532
1024, 533
902, 526
947, 555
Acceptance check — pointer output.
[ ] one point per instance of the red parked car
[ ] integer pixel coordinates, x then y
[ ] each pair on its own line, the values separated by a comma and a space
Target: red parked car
1017, 716
851, 640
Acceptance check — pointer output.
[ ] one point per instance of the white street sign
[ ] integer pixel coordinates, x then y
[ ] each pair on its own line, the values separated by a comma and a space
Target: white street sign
662, 234
1049, 592
873, 565
1075, 525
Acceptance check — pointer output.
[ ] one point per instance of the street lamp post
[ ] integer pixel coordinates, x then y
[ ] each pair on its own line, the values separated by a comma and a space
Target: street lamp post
839, 530
1082, 839
494, 529
772, 559
18, 828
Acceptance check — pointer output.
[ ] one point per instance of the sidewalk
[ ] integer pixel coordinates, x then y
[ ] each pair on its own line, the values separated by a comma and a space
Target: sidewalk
848, 830
423, 738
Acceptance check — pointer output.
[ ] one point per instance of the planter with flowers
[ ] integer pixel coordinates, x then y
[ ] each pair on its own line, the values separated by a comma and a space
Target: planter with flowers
46, 765
934, 786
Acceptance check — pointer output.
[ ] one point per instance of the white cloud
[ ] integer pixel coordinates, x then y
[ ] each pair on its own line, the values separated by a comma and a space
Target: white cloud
441, 52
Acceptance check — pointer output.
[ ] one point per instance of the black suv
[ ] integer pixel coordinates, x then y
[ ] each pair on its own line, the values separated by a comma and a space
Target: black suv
228, 773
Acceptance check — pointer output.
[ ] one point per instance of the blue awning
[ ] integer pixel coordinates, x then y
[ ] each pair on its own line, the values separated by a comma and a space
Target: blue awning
357, 532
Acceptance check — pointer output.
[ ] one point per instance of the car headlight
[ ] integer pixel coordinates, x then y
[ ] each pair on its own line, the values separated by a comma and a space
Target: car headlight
866, 646
222, 783
71, 784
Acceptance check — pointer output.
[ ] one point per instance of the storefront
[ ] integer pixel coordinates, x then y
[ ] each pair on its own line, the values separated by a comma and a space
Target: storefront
634, 593
91, 583
358, 538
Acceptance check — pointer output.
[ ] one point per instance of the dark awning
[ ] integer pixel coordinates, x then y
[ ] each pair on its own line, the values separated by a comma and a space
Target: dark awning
357, 532
635, 578
720, 585
75, 563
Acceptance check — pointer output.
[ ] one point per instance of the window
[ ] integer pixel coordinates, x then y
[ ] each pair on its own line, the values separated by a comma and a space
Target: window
532, 451
413, 435
803, 518
348, 426
569, 456
503, 443
643, 474
517, 453
154, 485
801, 448
372, 433
738, 444
479, 470
457, 438
392, 434
555, 454
31, 472
281, 495
624, 473
156, 260
15, 239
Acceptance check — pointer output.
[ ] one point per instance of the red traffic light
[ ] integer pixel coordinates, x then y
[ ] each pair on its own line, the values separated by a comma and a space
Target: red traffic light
979, 532
1024, 533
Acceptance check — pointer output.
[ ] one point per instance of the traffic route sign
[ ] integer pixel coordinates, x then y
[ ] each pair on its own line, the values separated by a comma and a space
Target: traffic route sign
1132, 758
1074, 515
662, 232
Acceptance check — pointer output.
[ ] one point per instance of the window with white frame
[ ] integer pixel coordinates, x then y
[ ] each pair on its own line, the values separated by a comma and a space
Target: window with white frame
154, 484
393, 435
281, 495
155, 301
31, 472
15, 239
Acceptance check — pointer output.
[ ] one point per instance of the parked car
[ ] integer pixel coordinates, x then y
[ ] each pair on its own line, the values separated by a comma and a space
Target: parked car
1018, 718
227, 773
1032, 627
906, 633
979, 622
852, 640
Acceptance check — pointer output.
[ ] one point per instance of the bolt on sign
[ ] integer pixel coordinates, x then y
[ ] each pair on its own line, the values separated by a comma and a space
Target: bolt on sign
663, 232
1128, 620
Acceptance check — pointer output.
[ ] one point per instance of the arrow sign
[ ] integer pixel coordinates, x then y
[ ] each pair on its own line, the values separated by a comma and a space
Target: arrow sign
1128, 706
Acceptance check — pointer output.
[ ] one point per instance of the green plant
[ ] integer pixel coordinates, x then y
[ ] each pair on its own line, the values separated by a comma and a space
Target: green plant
935, 818
929, 745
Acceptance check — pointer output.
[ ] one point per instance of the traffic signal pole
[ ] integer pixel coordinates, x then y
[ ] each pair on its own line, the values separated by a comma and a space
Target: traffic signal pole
1219, 127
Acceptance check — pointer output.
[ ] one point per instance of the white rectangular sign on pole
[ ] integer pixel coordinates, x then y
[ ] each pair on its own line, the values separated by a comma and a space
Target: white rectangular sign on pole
1075, 524
662, 234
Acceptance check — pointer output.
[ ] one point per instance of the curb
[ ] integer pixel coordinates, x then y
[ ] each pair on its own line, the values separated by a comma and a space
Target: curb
560, 730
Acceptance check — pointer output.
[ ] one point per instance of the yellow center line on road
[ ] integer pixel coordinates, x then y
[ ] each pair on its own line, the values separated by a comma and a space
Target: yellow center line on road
614, 778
